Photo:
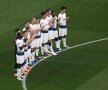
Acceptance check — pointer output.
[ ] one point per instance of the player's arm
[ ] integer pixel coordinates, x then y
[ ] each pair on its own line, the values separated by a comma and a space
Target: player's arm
53, 20
59, 18
67, 18
50, 23
21, 47
40, 29
32, 37
25, 43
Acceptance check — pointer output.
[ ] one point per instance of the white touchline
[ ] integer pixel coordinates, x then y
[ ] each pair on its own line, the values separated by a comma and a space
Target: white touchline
24, 80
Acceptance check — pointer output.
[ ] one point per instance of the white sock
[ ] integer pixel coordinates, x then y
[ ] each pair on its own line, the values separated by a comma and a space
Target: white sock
18, 71
42, 50
30, 58
51, 49
26, 61
64, 42
46, 48
37, 52
57, 44
33, 55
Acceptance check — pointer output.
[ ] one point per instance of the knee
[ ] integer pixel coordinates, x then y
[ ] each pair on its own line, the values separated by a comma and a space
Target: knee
64, 36
56, 39
60, 37
49, 43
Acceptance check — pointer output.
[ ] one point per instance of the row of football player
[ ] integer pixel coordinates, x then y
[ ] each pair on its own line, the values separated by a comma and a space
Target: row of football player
38, 36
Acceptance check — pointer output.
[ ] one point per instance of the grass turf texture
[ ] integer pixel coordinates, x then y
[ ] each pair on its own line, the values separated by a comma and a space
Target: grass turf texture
83, 68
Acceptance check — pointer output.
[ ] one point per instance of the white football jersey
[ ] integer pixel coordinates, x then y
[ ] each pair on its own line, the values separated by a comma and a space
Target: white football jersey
62, 18
49, 18
38, 27
19, 43
33, 27
44, 22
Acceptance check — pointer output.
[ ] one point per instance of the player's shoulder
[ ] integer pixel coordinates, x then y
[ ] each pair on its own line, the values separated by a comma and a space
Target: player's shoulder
31, 25
64, 13
38, 24
59, 14
50, 16
41, 20
19, 42
47, 18
55, 17
24, 29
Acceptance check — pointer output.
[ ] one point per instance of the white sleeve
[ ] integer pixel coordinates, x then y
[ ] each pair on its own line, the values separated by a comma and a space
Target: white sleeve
30, 25
59, 17
24, 29
41, 23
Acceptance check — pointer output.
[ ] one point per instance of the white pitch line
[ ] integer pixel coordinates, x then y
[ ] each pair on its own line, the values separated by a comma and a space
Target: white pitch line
99, 40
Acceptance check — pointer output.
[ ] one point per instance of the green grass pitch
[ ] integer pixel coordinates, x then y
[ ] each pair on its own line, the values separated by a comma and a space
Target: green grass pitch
82, 68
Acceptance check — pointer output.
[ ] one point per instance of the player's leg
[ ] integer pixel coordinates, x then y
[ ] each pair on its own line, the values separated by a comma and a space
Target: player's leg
56, 39
49, 43
15, 72
60, 36
20, 63
44, 48
26, 55
40, 45
37, 47
64, 37
29, 54
33, 50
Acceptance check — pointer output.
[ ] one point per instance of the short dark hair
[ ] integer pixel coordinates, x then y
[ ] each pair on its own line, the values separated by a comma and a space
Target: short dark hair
52, 11
63, 7
35, 17
47, 10
43, 13
18, 35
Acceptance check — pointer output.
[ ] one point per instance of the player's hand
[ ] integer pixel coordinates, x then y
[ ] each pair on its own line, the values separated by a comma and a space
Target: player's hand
42, 26
67, 18
31, 39
49, 23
